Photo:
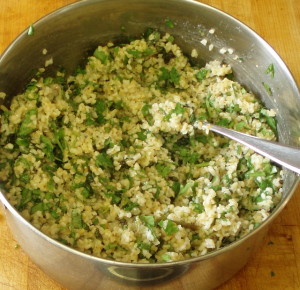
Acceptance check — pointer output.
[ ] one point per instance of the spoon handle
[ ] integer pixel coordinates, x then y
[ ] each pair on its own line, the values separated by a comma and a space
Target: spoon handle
284, 155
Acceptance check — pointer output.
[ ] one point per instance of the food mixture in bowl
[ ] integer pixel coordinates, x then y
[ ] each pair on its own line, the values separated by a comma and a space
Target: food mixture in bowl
111, 160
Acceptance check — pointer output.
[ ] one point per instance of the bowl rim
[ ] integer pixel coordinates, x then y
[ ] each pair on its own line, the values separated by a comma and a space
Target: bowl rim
276, 211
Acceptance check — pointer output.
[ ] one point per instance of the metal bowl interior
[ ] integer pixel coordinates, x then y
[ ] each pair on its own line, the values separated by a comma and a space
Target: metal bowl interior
69, 34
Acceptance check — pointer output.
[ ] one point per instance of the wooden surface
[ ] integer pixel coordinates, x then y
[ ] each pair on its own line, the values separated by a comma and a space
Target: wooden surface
277, 265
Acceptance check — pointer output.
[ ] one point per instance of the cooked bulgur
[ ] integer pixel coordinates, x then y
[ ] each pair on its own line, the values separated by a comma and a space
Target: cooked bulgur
109, 160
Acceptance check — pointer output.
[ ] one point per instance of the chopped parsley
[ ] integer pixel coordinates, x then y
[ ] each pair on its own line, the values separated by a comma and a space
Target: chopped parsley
30, 30
103, 160
268, 89
163, 169
169, 227
101, 55
272, 273
270, 70
169, 23
27, 125
198, 207
146, 113
148, 220
169, 76
165, 257
179, 109
271, 121
48, 147
201, 74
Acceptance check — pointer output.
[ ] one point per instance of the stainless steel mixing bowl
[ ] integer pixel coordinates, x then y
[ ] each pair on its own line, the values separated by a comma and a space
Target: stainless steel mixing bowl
68, 35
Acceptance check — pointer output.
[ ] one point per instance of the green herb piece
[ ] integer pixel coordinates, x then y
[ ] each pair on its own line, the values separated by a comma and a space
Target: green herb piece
31, 92
115, 197
135, 53
26, 196
174, 76
148, 52
148, 32
37, 207
89, 120
195, 237
49, 195
142, 135
103, 160
143, 246
179, 109
59, 136
30, 30
95, 221
54, 214
209, 106
264, 182
163, 170
100, 108
48, 147
233, 108
201, 74
169, 227
216, 187
270, 120
110, 246
165, 257
254, 174
267, 88
169, 23
224, 122
184, 189
125, 59
21, 159
270, 70
23, 142
186, 155
176, 187
130, 205
240, 125
25, 128
202, 117
116, 50
270, 243
124, 119
201, 138
146, 113
76, 220
85, 192
171, 38
165, 74
198, 207
270, 169
101, 55
148, 220
272, 273
25, 178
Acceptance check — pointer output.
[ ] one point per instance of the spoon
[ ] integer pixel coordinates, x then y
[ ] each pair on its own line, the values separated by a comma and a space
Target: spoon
287, 156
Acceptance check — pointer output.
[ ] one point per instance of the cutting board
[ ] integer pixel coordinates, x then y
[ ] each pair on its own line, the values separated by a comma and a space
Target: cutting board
277, 264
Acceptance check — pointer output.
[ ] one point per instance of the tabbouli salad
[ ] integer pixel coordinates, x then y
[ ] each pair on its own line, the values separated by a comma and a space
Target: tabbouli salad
109, 162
